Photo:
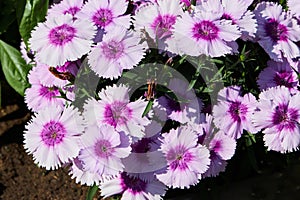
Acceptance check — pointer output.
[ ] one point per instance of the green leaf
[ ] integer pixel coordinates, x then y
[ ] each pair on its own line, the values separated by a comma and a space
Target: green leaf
92, 192
34, 12
14, 67
148, 107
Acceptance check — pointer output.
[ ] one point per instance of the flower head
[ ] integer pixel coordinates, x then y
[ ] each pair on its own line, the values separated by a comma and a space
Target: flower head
233, 112
103, 148
133, 187
71, 7
278, 74
52, 136
119, 50
115, 109
185, 158
39, 96
277, 32
204, 33
61, 39
279, 116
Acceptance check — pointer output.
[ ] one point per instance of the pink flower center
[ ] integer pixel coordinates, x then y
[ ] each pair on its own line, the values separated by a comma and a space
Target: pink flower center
285, 79
277, 32
103, 149
102, 17
113, 49
237, 110
285, 118
48, 92
179, 157
162, 25
61, 35
132, 184
53, 133
117, 113
205, 30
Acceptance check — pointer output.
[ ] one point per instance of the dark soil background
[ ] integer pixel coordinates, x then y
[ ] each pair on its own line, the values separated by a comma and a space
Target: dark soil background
21, 179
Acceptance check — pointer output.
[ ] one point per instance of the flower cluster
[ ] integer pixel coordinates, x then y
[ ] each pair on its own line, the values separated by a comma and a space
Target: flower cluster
114, 140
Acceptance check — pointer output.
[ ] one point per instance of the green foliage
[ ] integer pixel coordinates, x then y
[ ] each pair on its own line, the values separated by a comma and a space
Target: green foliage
14, 67
92, 192
29, 13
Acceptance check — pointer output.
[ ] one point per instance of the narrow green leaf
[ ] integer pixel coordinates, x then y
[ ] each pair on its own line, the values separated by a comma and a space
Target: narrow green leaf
92, 192
148, 108
34, 12
14, 67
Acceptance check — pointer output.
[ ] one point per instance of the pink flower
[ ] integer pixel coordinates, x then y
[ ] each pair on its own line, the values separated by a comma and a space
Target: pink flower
105, 15
119, 50
71, 7
160, 24
204, 33
277, 32
278, 74
38, 96
115, 109
279, 116
61, 39
233, 113
186, 159
52, 136
103, 148
133, 187
221, 146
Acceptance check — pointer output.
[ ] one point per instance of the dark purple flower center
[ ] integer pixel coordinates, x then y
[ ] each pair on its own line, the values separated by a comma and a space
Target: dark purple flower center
237, 111
112, 49
179, 157
162, 25
141, 146
133, 184
278, 32
285, 79
72, 10
103, 148
285, 118
53, 133
49, 92
102, 17
205, 30
61, 35
117, 113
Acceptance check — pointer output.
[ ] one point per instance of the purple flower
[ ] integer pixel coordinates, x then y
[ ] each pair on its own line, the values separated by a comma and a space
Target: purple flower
103, 148
204, 33
61, 39
38, 96
71, 7
186, 159
278, 74
277, 32
233, 112
52, 136
279, 116
106, 15
133, 187
160, 24
221, 146
114, 109
119, 50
